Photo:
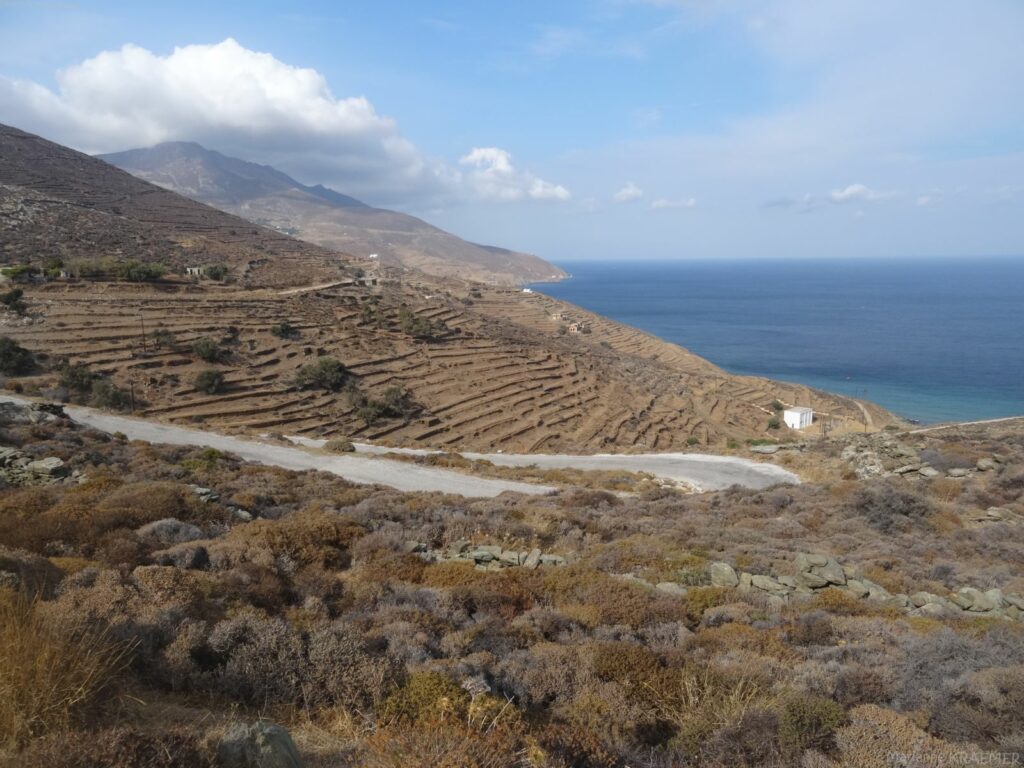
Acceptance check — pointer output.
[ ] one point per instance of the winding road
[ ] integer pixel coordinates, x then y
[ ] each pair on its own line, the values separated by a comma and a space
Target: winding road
705, 472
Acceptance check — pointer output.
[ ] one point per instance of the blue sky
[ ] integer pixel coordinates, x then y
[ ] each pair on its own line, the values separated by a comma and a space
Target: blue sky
589, 129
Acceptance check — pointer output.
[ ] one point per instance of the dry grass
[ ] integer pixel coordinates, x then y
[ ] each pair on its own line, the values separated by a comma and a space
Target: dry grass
50, 678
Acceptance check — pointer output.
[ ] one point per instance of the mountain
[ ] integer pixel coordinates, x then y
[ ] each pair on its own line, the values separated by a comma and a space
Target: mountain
431, 361
323, 216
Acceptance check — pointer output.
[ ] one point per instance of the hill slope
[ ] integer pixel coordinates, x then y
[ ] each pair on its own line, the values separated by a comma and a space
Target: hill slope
481, 367
325, 217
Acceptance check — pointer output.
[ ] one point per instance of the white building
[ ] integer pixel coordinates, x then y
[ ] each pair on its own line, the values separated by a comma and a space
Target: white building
798, 418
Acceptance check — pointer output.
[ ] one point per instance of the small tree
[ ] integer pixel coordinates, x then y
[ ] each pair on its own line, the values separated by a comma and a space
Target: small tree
77, 377
284, 330
207, 349
777, 406
14, 358
13, 301
217, 271
210, 381
326, 373
774, 423
106, 395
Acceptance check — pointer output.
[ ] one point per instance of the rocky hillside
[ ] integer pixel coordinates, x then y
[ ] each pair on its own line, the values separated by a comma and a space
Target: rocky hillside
325, 217
420, 360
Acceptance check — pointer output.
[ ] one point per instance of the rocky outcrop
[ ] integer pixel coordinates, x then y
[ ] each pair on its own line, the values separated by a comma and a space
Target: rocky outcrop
18, 468
489, 557
815, 572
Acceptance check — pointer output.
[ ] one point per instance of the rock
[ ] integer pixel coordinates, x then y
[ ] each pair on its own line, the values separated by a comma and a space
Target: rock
958, 472
242, 514
552, 560
919, 599
260, 745
50, 466
764, 449
927, 471
805, 561
670, 588
985, 465
906, 469
493, 549
206, 494
812, 580
768, 584
857, 588
191, 557
532, 560
931, 611
8, 455
831, 572
1015, 600
723, 575
481, 555
789, 581
745, 581
458, 548
974, 600
996, 596
169, 531
414, 547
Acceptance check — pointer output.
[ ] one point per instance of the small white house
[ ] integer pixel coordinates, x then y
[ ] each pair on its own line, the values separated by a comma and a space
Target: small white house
798, 418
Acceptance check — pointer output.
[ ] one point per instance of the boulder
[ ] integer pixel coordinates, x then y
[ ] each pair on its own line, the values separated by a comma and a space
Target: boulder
906, 469
50, 467
805, 561
552, 560
723, 575
259, 745
974, 600
811, 580
532, 560
985, 465
169, 531
509, 557
764, 449
958, 472
458, 548
1015, 600
919, 599
832, 572
996, 596
857, 588
927, 471
746, 581
770, 585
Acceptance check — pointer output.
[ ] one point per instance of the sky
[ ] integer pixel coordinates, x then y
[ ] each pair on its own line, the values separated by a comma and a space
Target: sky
583, 129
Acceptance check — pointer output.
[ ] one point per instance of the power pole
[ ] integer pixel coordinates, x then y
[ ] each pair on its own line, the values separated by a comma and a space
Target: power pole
142, 321
131, 395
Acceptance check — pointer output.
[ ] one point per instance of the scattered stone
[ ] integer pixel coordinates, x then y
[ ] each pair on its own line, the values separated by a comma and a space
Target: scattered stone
242, 514
552, 560
48, 466
532, 560
764, 449
260, 745
206, 494
811, 580
857, 588
509, 557
985, 465
958, 472
768, 584
723, 575
906, 469
927, 471
169, 531
413, 547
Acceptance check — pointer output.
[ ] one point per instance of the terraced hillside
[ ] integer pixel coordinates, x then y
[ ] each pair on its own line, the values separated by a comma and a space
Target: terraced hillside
481, 367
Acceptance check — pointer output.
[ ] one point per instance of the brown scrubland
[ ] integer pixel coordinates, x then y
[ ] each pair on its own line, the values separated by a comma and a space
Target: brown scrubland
153, 596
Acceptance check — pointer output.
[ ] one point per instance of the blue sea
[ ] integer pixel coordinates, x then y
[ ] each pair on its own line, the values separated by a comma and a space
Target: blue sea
932, 340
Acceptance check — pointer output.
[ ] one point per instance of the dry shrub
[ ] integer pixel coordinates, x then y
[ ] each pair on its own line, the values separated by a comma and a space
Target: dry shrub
308, 537
889, 507
946, 489
439, 744
809, 722
875, 737
50, 677
616, 601
119, 748
986, 708
742, 637
450, 574
426, 696
383, 566
697, 701
564, 746
841, 603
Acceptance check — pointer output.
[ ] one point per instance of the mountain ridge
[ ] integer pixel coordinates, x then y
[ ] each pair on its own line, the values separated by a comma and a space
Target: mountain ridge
324, 216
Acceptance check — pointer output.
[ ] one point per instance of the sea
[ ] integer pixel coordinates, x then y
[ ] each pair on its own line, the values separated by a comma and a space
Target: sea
932, 340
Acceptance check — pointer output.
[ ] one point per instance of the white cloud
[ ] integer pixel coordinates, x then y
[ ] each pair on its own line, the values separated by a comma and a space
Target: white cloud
859, 193
494, 177
628, 193
251, 105
665, 204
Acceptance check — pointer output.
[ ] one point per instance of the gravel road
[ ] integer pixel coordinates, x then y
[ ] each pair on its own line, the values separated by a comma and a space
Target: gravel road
705, 472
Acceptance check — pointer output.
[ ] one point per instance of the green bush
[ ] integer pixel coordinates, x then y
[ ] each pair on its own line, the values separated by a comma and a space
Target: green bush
78, 378
326, 373
14, 358
106, 395
425, 695
210, 381
777, 406
419, 327
216, 271
809, 722
207, 349
774, 423
139, 272
12, 299
284, 330
339, 445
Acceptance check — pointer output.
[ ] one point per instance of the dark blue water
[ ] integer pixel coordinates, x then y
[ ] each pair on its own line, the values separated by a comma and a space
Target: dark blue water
932, 340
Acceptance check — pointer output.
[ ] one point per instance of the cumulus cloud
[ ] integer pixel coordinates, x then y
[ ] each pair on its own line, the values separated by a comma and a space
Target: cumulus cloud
243, 103
628, 193
663, 203
493, 176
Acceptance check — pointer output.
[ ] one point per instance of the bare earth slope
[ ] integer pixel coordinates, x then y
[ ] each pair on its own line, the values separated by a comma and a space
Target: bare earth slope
497, 369
325, 217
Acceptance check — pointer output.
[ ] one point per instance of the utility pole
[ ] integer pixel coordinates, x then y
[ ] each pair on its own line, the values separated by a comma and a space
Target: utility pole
142, 321
131, 395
